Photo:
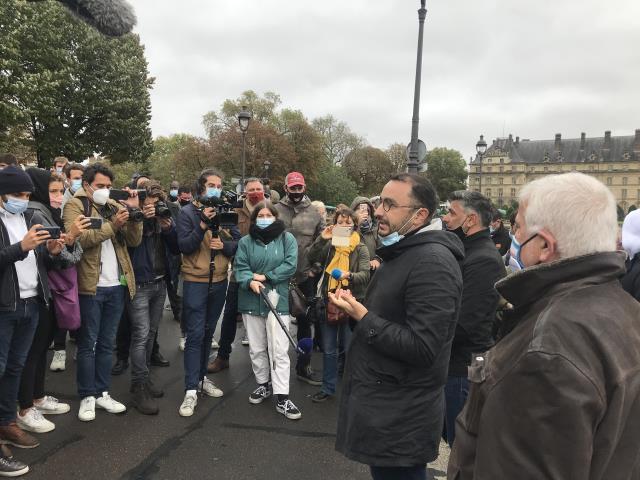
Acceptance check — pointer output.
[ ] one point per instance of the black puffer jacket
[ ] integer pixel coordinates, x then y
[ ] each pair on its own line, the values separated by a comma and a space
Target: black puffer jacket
392, 404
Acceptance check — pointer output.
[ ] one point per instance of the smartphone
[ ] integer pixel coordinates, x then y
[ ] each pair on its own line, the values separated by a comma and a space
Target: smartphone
54, 232
118, 195
96, 223
363, 207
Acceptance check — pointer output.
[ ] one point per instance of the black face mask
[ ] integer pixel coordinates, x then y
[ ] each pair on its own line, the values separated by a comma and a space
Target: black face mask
459, 233
184, 202
296, 197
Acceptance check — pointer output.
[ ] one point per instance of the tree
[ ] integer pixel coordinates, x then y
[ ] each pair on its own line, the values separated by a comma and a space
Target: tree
179, 157
337, 138
333, 186
446, 170
369, 168
397, 156
67, 90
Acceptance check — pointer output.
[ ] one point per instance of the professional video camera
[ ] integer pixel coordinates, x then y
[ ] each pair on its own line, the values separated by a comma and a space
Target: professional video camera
225, 216
162, 211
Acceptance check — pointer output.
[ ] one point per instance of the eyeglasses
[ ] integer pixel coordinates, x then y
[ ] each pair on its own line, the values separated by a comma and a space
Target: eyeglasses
387, 205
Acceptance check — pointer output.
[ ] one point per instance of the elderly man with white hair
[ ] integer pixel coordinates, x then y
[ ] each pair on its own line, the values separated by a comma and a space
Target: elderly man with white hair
559, 396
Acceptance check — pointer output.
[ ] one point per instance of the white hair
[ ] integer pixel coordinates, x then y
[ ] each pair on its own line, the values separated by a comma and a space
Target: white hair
318, 204
578, 210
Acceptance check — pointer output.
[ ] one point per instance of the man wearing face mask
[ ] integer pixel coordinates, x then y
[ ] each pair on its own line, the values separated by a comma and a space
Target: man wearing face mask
184, 196
469, 216
23, 288
254, 191
173, 191
59, 164
105, 276
305, 223
499, 233
73, 173
392, 402
559, 394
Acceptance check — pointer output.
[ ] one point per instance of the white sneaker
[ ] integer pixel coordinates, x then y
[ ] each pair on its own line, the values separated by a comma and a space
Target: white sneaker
33, 421
87, 411
183, 341
214, 344
58, 363
109, 404
188, 404
245, 341
209, 388
52, 406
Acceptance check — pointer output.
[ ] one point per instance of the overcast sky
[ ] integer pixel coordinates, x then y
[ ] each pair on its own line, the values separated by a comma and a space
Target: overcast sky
531, 68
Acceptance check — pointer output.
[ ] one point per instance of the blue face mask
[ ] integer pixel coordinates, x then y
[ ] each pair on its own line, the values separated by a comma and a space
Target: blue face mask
75, 185
517, 247
173, 193
391, 239
213, 192
15, 205
264, 222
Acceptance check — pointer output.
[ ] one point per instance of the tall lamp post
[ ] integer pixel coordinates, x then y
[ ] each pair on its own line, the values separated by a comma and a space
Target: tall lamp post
266, 164
412, 164
481, 148
243, 121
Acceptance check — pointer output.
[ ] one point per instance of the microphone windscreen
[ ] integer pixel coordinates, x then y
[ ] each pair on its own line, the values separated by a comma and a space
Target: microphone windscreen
306, 345
336, 273
110, 17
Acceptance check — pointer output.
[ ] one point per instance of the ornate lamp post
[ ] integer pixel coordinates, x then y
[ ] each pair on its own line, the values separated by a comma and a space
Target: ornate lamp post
266, 164
481, 148
244, 117
412, 164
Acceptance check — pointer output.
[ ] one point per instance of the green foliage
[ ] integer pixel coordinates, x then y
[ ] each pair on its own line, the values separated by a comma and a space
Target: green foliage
333, 186
123, 172
337, 138
446, 170
67, 90
369, 168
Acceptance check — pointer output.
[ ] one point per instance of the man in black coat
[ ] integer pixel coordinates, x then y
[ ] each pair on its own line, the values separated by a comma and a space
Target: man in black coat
392, 404
469, 216
499, 234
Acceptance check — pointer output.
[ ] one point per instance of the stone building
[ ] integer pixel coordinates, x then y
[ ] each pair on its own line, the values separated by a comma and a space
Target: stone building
509, 163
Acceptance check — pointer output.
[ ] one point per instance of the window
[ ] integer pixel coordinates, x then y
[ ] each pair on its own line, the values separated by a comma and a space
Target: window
502, 160
500, 180
624, 180
514, 180
546, 169
501, 168
489, 169
513, 192
624, 193
609, 181
488, 192
500, 193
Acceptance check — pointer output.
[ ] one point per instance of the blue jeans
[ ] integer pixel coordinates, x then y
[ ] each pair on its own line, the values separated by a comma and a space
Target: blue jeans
100, 317
145, 312
335, 341
455, 393
419, 472
200, 323
16, 334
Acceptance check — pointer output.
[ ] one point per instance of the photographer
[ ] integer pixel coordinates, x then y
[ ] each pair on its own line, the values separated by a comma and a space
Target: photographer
200, 239
104, 273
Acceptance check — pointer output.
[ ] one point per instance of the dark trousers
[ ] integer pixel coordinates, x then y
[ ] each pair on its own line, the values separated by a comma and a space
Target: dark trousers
304, 321
175, 300
419, 472
123, 338
16, 335
32, 380
229, 321
455, 393
60, 338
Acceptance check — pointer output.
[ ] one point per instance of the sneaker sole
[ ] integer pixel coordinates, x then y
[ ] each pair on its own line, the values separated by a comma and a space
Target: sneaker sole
257, 401
317, 400
28, 428
15, 473
58, 369
115, 412
9, 442
315, 383
289, 415
53, 412
186, 414
213, 395
87, 419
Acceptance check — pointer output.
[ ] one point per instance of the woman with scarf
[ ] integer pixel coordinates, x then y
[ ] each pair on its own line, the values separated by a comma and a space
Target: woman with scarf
346, 267
46, 199
368, 228
267, 258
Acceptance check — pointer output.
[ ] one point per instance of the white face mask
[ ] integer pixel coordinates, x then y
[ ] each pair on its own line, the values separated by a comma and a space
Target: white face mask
100, 196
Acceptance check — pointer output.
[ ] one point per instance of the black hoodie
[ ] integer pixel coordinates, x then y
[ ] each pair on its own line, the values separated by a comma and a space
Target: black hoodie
392, 402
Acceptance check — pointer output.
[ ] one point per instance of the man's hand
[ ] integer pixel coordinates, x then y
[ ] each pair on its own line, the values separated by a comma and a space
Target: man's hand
208, 212
33, 238
256, 286
55, 246
165, 223
121, 218
348, 304
374, 264
79, 225
259, 277
133, 201
216, 244
149, 210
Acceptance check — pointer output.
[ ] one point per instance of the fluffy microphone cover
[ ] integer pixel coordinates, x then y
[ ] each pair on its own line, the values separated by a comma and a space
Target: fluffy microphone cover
110, 17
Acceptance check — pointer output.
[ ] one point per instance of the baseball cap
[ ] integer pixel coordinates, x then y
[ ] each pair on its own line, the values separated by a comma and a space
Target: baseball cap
295, 178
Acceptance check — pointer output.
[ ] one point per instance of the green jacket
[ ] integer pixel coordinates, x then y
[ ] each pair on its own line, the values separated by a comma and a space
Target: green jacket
322, 252
277, 261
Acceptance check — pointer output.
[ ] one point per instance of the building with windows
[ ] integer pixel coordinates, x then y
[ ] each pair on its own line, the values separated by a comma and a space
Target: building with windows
509, 163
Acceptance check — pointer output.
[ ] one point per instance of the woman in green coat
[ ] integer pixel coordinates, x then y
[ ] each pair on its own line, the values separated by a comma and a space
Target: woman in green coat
267, 258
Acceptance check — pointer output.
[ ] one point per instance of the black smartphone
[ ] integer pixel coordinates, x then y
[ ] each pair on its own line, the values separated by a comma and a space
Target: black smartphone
118, 195
54, 232
96, 223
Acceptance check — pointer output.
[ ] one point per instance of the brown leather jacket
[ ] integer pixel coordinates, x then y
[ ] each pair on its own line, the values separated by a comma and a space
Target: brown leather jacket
559, 396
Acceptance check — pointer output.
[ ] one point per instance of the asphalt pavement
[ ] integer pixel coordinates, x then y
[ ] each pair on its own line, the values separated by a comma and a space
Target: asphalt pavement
226, 438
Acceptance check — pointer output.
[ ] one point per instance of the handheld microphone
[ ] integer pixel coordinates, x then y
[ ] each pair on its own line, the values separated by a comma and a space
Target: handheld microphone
113, 18
336, 273
305, 345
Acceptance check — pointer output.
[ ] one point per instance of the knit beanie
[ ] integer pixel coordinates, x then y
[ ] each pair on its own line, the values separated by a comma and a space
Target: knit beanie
13, 180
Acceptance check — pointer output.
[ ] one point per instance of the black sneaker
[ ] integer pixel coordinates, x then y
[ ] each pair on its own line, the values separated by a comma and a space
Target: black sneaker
306, 375
260, 394
288, 409
153, 389
320, 397
10, 467
143, 401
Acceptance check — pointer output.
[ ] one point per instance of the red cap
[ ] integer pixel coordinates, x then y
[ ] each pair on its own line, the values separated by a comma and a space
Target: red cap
295, 178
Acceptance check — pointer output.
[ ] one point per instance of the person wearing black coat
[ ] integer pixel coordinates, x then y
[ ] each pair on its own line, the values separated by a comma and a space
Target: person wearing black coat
469, 217
392, 401
499, 233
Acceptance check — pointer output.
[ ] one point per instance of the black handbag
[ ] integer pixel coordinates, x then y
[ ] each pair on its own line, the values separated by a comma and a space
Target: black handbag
297, 300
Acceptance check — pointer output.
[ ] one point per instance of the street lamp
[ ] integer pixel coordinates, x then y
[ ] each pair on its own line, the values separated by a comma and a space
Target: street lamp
412, 163
266, 164
243, 121
481, 148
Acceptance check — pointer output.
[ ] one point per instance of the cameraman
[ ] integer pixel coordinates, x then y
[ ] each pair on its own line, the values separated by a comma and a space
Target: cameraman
150, 265
104, 273
203, 296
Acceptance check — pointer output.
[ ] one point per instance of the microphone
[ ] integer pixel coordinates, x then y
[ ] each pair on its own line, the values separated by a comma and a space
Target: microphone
336, 273
113, 18
305, 345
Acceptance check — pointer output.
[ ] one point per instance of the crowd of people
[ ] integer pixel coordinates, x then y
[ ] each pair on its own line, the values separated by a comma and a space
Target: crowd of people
517, 346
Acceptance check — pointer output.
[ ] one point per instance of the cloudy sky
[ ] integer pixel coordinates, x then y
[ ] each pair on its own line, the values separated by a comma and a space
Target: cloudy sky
493, 67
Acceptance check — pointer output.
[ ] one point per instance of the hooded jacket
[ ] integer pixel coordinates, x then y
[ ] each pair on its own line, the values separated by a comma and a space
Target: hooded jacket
370, 238
559, 396
392, 402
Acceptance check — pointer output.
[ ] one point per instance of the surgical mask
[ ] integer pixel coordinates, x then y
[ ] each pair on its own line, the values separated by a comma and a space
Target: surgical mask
75, 185
55, 202
519, 247
213, 192
395, 237
491, 229
100, 196
59, 169
16, 205
173, 193
264, 222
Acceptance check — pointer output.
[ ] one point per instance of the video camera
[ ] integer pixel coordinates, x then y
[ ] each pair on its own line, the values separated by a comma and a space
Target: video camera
225, 216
